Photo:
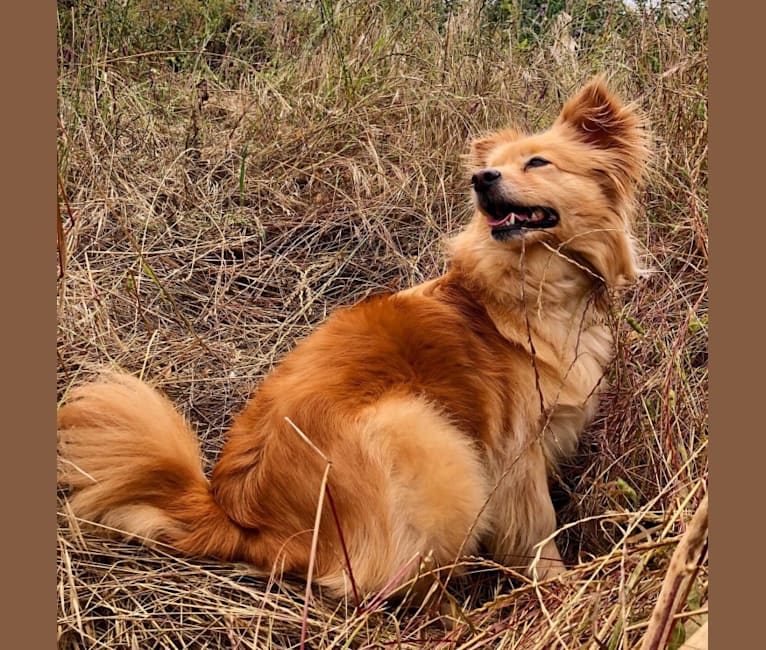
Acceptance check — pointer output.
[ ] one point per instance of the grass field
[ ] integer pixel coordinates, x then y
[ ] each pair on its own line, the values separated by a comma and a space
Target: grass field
230, 172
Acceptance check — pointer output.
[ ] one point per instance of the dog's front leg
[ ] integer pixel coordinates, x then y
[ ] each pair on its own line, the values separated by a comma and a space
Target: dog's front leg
522, 516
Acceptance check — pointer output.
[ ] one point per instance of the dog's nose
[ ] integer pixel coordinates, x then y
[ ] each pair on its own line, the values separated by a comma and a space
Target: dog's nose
483, 178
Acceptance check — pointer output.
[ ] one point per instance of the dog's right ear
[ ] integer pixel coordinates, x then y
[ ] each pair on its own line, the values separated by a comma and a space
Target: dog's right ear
478, 153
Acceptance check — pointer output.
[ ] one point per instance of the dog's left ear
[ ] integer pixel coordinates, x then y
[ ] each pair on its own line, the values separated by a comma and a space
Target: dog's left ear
598, 116
617, 137
599, 119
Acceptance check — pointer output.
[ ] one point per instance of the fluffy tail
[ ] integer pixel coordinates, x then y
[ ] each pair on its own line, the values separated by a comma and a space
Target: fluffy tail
133, 464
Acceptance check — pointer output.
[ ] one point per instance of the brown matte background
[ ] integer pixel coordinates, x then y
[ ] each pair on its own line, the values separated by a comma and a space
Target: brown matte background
27, 519
737, 431
27, 111
738, 186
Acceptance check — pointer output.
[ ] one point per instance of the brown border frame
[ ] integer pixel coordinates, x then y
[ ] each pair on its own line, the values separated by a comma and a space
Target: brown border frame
736, 379
29, 291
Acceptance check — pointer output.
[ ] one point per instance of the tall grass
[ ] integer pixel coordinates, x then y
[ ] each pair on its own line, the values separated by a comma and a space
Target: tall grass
231, 172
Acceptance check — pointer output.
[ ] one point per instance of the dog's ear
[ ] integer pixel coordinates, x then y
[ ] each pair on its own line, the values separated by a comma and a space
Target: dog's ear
479, 149
599, 118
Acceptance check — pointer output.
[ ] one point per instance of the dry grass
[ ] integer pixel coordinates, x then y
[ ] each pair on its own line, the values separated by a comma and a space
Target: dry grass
231, 175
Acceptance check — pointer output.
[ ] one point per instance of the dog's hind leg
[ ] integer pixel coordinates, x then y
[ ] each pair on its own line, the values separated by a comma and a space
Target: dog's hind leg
435, 482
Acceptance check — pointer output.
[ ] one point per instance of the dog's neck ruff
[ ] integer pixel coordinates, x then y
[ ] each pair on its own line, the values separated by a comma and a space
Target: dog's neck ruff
581, 262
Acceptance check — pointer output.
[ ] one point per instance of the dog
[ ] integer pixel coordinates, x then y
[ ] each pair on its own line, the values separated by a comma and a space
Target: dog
412, 428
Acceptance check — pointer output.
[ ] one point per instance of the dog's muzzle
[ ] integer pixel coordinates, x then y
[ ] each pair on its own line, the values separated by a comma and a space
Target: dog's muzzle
508, 219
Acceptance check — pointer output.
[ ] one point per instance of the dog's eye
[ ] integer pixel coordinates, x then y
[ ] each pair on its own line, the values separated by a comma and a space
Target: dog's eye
536, 162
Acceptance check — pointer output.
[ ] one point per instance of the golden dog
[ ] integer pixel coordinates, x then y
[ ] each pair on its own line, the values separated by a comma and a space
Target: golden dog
439, 410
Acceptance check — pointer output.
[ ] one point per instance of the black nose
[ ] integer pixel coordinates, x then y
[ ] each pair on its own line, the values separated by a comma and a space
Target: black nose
483, 178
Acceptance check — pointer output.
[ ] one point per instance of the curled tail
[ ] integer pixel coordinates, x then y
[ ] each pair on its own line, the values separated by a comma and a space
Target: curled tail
133, 464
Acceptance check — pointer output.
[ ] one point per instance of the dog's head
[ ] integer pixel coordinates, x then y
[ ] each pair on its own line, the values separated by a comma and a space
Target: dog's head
572, 186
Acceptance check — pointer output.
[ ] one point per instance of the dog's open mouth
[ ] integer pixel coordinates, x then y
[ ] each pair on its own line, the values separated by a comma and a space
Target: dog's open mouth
509, 220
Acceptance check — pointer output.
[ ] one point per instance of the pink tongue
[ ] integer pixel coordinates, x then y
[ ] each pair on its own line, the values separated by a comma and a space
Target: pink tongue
493, 223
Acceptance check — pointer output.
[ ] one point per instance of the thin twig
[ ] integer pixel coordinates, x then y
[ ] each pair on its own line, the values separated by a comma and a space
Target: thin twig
683, 567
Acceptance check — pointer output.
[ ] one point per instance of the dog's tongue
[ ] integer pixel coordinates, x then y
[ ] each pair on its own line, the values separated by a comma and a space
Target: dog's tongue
509, 218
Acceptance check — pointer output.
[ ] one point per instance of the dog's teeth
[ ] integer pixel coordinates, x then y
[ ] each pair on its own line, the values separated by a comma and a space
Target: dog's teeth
513, 219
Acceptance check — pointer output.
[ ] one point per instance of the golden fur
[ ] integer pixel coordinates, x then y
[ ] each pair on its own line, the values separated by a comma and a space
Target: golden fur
441, 408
